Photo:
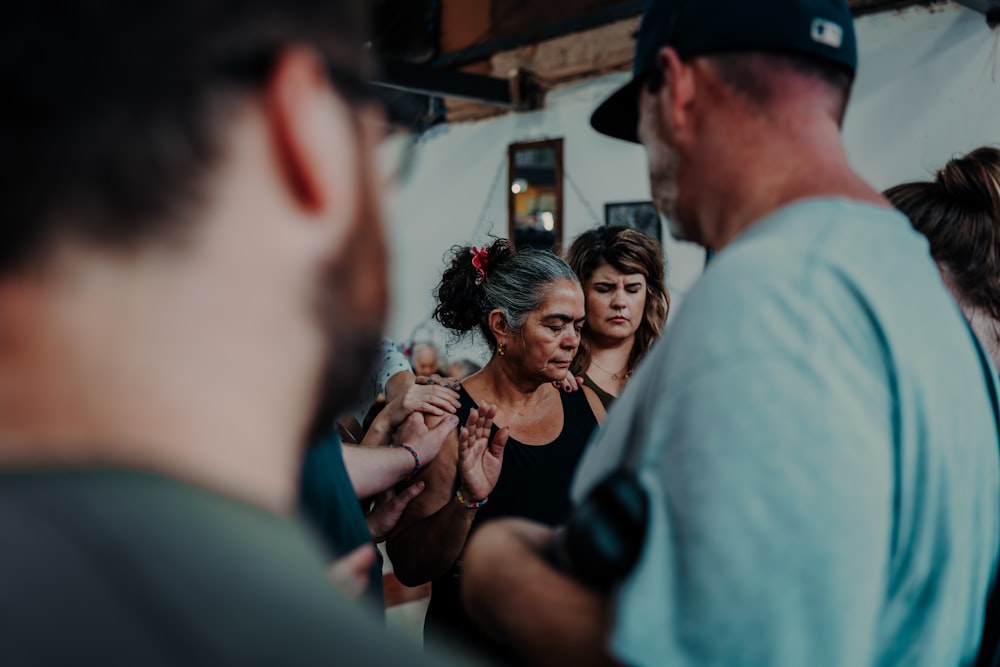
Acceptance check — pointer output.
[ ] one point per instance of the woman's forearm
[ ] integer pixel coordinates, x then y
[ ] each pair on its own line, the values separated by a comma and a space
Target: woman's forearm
427, 548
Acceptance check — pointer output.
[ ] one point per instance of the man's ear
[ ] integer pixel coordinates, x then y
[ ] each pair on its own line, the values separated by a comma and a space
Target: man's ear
679, 86
313, 133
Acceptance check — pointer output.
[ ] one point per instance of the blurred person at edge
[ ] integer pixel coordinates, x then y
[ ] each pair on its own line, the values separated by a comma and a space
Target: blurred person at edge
426, 360
357, 472
189, 246
463, 368
822, 482
959, 213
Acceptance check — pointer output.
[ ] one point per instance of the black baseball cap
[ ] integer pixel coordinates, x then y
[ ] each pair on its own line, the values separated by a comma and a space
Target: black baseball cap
822, 29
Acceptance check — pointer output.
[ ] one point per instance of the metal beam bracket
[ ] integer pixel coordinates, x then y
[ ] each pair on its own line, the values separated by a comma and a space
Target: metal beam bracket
521, 92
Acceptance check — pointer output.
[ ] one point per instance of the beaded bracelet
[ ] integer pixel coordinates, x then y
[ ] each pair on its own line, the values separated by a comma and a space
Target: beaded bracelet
473, 504
416, 461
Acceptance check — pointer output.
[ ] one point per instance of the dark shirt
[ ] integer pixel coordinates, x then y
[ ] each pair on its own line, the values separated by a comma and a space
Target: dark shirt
116, 567
534, 484
330, 504
604, 397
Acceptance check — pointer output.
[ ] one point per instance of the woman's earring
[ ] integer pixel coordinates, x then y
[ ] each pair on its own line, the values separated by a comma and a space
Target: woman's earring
501, 349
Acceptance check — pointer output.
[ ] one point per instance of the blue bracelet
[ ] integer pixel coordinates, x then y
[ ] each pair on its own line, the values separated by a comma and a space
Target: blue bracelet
470, 504
416, 461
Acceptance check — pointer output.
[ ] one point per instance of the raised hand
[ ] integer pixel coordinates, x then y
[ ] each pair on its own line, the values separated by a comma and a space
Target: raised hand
480, 458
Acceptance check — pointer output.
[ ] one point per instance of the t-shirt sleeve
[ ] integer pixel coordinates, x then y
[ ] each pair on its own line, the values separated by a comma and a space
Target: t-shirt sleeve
393, 361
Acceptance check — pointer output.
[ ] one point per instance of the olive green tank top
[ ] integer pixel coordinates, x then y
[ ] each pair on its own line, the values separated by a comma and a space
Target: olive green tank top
604, 397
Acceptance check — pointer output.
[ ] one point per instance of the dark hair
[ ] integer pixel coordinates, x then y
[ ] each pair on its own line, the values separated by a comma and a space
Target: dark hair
114, 110
959, 213
628, 251
754, 75
515, 282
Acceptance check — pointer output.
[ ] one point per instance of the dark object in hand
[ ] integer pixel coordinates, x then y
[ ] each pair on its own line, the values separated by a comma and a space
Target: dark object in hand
600, 543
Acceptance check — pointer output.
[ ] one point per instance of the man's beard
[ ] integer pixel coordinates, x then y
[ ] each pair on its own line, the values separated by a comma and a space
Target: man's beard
664, 187
354, 351
351, 311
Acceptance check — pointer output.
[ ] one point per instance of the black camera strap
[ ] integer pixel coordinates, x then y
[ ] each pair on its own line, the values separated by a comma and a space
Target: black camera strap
602, 540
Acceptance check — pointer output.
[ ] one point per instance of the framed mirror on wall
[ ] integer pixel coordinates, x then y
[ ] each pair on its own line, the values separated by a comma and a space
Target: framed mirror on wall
535, 194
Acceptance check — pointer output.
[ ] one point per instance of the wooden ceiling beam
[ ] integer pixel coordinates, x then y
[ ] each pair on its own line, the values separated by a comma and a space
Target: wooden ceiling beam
580, 54
525, 28
505, 25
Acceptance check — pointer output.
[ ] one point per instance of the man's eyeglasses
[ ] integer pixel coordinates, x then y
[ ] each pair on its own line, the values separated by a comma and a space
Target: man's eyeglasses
396, 151
395, 156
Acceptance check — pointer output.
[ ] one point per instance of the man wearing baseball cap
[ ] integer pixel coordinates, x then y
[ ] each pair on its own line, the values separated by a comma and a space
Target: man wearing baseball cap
815, 436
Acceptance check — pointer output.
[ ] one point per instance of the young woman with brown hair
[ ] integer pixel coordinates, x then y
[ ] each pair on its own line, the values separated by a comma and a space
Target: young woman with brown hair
622, 274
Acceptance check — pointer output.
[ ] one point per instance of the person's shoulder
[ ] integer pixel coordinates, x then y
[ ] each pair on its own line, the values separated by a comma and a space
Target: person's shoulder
593, 404
832, 234
792, 283
814, 221
468, 387
742, 280
126, 567
187, 557
800, 247
585, 403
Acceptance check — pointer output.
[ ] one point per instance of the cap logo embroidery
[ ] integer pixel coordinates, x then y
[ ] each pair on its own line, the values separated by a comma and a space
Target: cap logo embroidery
827, 32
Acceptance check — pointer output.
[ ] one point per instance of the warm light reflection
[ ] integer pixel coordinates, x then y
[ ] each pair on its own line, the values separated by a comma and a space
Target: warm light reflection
548, 221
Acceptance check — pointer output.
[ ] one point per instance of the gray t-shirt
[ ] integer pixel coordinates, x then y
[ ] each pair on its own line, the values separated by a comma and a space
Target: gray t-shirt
818, 443
113, 567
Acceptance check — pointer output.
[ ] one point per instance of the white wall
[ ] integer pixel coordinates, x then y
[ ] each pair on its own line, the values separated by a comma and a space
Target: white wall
927, 89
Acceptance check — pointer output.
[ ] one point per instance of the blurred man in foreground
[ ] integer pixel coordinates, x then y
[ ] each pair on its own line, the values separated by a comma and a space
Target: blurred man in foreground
189, 248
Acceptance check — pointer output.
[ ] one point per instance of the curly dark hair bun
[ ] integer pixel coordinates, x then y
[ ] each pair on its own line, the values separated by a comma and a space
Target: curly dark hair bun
461, 292
973, 180
479, 281
959, 213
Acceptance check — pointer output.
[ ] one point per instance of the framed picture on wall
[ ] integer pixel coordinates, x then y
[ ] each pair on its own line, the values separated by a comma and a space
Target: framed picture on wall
641, 215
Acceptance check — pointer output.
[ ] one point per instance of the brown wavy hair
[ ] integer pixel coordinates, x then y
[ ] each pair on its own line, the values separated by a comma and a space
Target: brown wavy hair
629, 251
959, 213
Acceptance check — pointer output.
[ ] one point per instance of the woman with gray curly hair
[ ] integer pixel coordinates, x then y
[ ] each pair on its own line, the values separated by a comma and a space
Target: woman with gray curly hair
529, 308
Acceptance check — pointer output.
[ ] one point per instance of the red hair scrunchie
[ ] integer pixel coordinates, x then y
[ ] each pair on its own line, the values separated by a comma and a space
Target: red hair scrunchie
480, 260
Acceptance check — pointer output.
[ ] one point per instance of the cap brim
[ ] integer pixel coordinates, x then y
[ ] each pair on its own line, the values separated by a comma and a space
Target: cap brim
618, 116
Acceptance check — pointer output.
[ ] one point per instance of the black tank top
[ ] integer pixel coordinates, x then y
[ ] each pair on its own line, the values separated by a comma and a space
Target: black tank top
534, 484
